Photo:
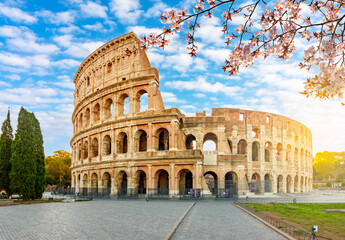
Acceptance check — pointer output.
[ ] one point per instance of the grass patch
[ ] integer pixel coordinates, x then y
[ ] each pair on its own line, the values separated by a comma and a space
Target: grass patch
304, 216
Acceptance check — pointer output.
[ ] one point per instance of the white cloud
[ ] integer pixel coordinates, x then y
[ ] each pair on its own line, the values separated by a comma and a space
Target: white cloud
170, 97
63, 40
92, 9
64, 82
58, 18
82, 50
94, 27
142, 30
126, 11
66, 63
13, 77
70, 29
184, 63
156, 10
11, 59
203, 86
5, 84
217, 55
199, 95
16, 15
210, 31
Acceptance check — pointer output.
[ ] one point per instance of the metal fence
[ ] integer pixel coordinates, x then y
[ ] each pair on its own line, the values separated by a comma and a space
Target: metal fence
293, 231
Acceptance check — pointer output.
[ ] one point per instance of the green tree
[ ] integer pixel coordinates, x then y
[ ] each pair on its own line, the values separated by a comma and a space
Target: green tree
5, 154
324, 163
39, 157
23, 173
58, 168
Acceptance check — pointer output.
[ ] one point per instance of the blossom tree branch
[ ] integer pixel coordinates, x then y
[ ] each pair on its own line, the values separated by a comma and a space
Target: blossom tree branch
272, 34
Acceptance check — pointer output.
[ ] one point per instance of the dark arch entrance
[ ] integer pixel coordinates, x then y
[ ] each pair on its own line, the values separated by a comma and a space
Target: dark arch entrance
163, 183
185, 182
142, 183
230, 184
123, 183
212, 182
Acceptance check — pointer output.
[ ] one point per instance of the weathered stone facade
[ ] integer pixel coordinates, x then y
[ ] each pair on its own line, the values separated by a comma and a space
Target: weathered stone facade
162, 149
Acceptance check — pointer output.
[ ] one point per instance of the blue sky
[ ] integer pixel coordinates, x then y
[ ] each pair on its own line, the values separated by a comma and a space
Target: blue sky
43, 42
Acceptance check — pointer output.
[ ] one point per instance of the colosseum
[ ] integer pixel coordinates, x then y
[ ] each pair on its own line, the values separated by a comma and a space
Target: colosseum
123, 148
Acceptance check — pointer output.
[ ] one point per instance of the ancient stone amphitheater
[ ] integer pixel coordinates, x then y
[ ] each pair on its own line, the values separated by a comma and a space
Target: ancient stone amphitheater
121, 147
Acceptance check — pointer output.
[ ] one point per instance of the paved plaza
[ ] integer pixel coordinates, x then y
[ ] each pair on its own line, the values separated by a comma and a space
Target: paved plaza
115, 219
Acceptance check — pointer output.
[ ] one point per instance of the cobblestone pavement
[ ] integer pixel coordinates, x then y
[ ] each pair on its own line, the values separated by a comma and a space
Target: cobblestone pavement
222, 220
99, 219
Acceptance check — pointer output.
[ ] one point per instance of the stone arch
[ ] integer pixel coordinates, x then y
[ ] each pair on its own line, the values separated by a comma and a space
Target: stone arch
268, 182
106, 183
242, 147
122, 183
86, 149
268, 151
123, 104
211, 179
95, 147
190, 142
306, 184
162, 177
289, 187
79, 151
107, 145
288, 153
255, 183
280, 184
256, 133
296, 184
302, 159
81, 125
109, 67
142, 100
230, 184
96, 113
84, 185
302, 184
279, 152
140, 139
255, 151
163, 139
94, 184
185, 177
87, 117
108, 108
122, 142
230, 145
296, 157
210, 142
140, 181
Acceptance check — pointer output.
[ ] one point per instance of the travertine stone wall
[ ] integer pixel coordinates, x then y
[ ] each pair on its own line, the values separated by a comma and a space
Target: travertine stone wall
116, 145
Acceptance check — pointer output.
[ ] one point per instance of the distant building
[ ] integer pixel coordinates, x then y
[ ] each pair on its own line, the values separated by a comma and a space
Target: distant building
120, 149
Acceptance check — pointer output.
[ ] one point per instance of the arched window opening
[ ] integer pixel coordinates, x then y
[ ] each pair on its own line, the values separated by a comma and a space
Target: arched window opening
255, 183
288, 152
84, 185
211, 181
107, 145
96, 113
242, 147
268, 148
81, 121
302, 184
296, 157
123, 104
141, 141
268, 183
142, 183
280, 184
288, 184
106, 184
181, 124
122, 183
88, 80
87, 117
230, 146
95, 147
255, 133
296, 184
255, 151
163, 140
185, 182
279, 152
143, 101
86, 149
108, 108
79, 151
122, 143
110, 67
230, 184
190, 142
94, 184
210, 142
163, 182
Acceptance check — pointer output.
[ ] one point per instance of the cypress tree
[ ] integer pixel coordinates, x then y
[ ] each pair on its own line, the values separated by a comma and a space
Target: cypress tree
24, 164
6, 139
39, 156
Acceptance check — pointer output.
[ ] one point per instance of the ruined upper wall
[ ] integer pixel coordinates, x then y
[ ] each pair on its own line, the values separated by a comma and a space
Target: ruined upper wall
110, 64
